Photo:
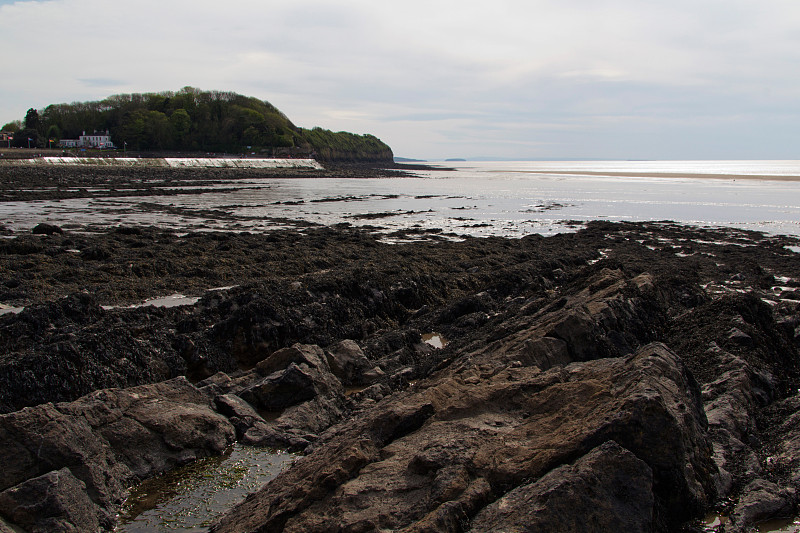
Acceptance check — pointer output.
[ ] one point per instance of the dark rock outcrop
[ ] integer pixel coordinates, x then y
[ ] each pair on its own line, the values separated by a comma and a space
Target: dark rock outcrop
761, 500
46, 229
54, 502
610, 485
69, 464
433, 458
348, 363
295, 385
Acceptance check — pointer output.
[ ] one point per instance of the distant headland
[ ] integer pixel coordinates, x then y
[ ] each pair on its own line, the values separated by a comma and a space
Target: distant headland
189, 121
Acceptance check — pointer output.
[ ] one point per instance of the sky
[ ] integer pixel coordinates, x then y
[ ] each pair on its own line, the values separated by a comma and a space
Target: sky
512, 79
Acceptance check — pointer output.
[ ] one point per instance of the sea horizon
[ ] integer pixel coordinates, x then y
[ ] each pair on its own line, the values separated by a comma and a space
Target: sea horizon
469, 198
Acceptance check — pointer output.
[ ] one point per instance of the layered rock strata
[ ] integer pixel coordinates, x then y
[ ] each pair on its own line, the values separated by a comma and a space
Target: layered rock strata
453, 451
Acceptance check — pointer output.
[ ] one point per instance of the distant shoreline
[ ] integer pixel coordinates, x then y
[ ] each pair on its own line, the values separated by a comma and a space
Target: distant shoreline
690, 175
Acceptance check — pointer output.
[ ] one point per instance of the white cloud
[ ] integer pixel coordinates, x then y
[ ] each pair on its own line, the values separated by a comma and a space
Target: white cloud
575, 77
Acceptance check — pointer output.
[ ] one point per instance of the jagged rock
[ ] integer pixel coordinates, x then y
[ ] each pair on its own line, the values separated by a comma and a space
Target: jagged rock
232, 406
44, 228
37, 440
349, 364
520, 316
374, 392
217, 384
263, 434
302, 399
605, 319
544, 352
240, 413
327, 468
316, 415
787, 435
372, 375
111, 439
761, 501
252, 429
297, 354
740, 337
304, 396
731, 402
55, 502
153, 428
610, 486
435, 455
576, 331
281, 389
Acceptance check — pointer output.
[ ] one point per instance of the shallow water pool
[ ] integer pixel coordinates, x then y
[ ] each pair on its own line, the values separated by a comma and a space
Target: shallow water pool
190, 498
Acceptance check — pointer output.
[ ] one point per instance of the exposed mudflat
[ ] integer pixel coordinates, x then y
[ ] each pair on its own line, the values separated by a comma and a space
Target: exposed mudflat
627, 376
19, 182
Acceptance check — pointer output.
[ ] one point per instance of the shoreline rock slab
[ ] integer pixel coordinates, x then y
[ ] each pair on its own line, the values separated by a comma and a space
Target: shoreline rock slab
55, 502
610, 485
104, 443
437, 456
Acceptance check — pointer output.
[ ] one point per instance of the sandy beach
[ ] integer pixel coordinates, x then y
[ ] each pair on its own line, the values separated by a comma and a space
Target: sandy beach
681, 175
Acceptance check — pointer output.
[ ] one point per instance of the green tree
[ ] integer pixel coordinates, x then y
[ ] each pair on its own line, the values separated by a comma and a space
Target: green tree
147, 130
21, 138
159, 129
251, 137
32, 119
181, 124
12, 127
53, 133
133, 130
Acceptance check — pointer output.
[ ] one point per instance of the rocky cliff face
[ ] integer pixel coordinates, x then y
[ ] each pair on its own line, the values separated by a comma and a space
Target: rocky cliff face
628, 377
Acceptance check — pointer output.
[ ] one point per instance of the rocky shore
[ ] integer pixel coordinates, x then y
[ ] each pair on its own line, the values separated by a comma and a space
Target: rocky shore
625, 377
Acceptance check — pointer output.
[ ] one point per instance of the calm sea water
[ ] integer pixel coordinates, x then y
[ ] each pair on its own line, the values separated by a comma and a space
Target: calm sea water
477, 198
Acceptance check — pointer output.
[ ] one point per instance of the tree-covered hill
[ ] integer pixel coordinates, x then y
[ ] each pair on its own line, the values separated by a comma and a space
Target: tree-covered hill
192, 120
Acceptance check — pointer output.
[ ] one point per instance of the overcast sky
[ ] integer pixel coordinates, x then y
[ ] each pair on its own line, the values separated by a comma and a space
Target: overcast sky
607, 79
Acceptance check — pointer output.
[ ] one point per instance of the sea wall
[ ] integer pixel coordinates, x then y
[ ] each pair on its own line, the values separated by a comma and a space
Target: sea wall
173, 162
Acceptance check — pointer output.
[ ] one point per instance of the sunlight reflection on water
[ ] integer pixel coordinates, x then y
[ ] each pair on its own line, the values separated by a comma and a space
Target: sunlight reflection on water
478, 199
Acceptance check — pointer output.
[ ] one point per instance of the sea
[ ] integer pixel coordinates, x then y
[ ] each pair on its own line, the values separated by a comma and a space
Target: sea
507, 198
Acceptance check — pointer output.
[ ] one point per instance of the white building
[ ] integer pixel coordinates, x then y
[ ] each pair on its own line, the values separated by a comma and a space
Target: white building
95, 140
